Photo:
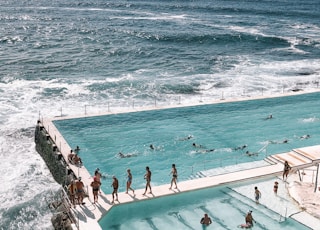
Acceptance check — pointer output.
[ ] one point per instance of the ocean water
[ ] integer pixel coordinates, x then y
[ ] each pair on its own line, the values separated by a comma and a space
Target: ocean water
91, 56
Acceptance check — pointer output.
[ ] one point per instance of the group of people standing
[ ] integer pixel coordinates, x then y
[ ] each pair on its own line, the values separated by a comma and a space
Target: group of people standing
76, 192
96, 183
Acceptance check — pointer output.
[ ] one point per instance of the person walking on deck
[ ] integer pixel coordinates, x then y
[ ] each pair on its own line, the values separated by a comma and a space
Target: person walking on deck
129, 181
286, 170
115, 185
174, 173
147, 177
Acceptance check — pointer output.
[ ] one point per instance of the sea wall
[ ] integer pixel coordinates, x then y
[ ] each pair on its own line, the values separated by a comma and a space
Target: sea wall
60, 204
48, 150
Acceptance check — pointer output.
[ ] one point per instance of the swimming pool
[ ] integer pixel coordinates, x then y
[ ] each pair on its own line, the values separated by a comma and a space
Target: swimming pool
221, 127
226, 207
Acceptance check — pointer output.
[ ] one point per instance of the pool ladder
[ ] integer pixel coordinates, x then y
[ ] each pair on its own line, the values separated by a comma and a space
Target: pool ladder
283, 218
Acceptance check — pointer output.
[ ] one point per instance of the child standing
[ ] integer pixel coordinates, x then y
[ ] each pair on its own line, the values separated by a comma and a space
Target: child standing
275, 187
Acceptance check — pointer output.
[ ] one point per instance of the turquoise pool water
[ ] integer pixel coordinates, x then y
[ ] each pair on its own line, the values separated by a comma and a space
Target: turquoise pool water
222, 127
226, 208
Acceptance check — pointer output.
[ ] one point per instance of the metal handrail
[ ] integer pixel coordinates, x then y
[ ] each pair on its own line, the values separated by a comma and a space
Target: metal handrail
154, 103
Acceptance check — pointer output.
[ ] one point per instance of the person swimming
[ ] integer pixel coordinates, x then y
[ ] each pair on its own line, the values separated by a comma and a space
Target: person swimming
240, 147
205, 150
155, 148
269, 117
186, 138
251, 154
121, 155
305, 136
285, 141
197, 146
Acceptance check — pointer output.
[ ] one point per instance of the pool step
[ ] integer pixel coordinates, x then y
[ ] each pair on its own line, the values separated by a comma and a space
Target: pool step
229, 169
197, 176
246, 203
295, 158
270, 160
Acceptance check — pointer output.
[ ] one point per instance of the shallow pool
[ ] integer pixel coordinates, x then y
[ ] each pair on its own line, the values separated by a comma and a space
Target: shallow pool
226, 207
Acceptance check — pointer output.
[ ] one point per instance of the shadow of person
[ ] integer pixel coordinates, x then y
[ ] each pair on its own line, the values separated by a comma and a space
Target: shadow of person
104, 198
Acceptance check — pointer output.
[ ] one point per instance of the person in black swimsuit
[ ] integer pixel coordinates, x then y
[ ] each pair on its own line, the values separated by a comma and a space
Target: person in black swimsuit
115, 185
147, 177
286, 170
174, 173
95, 184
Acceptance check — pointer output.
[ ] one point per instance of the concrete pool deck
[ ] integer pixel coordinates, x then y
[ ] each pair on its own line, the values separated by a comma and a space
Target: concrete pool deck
89, 214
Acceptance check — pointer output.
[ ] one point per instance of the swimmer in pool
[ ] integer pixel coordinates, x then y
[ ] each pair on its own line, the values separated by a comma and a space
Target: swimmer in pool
197, 146
205, 220
269, 117
155, 148
285, 141
240, 147
251, 154
186, 138
121, 155
305, 136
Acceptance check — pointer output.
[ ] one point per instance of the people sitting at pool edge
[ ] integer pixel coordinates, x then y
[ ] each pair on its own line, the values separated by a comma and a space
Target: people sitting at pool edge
70, 156
74, 158
206, 220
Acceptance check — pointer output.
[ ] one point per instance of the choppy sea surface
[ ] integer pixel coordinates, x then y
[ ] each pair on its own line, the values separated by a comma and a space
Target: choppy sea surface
75, 57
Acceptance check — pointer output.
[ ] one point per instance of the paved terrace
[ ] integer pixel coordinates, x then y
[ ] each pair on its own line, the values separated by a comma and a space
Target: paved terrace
89, 214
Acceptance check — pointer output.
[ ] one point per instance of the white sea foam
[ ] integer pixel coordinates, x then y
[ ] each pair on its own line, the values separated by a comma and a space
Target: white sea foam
28, 94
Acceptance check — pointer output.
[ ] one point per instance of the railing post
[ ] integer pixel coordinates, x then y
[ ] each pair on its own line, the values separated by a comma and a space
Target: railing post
316, 183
